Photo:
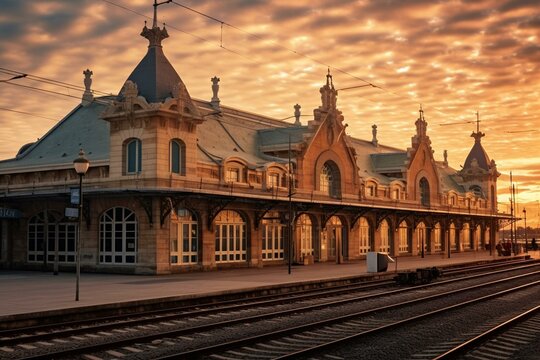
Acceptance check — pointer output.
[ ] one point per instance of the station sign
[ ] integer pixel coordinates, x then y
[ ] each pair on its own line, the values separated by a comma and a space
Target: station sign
6, 213
75, 196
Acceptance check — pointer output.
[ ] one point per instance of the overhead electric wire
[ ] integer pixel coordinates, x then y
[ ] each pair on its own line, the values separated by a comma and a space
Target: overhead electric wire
222, 22
27, 113
49, 81
56, 92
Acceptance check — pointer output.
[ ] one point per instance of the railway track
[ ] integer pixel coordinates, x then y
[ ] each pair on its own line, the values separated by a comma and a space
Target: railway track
138, 336
501, 341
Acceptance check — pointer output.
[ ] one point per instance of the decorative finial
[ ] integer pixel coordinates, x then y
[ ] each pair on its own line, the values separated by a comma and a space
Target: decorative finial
215, 89
477, 135
374, 141
87, 97
445, 155
155, 34
421, 124
329, 79
297, 115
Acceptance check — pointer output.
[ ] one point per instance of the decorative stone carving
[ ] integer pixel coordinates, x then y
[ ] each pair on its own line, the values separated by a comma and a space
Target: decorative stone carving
87, 97
215, 89
297, 115
130, 90
374, 140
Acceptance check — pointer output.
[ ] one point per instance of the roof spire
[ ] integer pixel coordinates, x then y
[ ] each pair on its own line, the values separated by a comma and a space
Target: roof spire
477, 135
155, 34
329, 81
156, 4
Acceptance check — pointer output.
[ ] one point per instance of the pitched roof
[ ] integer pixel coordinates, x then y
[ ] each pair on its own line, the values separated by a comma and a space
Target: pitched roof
81, 128
477, 152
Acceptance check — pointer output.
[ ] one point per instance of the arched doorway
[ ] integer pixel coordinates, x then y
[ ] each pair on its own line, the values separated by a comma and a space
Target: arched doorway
332, 240
421, 238
437, 239
363, 236
304, 239
384, 237
403, 241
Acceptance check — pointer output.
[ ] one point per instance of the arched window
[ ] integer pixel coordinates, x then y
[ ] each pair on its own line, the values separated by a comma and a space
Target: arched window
133, 155
306, 235
363, 235
272, 237
424, 192
185, 248
53, 231
118, 236
384, 235
231, 238
330, 180
402, 238
178, 157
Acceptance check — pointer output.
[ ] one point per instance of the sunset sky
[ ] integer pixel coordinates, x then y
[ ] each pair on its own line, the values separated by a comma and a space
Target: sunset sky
453, 57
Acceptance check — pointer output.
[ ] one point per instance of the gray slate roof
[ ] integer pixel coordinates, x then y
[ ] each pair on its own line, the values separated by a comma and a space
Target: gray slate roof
81, 128
155, 76
389, 162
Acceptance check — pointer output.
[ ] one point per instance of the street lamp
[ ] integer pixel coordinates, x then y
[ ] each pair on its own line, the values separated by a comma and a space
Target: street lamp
526, 241
81, 165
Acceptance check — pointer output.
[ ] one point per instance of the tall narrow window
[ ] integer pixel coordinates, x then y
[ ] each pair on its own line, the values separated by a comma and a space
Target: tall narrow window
133, 156
384, 235
178, 156
363, 235
452, 235
424, 192
306, 235
466, 238
421, 239
330, 180
185, 247
437, 243
272, 238
402, 236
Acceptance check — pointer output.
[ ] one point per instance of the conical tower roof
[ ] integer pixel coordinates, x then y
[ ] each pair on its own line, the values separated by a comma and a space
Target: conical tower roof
477, 152
477, 156
154, 75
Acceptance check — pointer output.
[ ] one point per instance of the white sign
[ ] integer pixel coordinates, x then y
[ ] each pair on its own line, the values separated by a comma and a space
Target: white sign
71, 212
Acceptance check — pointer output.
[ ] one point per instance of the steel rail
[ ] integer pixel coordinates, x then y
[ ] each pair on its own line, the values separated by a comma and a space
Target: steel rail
487, 335
179, 332
46, 332
333, 342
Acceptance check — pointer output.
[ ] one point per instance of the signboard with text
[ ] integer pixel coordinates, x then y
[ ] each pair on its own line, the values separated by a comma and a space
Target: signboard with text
6, 213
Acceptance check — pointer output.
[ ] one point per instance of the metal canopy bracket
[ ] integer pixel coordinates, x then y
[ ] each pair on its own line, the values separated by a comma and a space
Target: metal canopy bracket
214, 210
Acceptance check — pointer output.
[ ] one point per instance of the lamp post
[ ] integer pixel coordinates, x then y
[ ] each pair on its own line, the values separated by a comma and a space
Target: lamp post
81, 165
526, 241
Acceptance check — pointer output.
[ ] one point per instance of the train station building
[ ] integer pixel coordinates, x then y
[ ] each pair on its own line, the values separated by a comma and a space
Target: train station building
178, 184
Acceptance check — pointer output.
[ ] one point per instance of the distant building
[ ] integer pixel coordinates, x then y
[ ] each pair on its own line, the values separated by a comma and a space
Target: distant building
177, 184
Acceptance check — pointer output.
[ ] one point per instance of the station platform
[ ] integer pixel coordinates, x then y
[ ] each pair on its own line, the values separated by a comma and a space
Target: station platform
26, 292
